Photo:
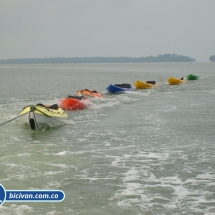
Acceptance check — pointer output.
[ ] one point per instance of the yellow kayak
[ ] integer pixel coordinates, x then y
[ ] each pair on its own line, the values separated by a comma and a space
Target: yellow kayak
39, 116
175, 81
145, 85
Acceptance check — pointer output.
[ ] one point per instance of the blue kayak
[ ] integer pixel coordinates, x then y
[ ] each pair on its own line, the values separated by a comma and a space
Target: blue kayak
119, 88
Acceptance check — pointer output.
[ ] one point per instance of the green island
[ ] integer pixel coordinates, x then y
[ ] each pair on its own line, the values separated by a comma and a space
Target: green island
58, 60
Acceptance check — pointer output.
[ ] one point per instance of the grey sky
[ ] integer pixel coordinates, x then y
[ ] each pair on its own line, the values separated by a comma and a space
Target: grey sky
107, 28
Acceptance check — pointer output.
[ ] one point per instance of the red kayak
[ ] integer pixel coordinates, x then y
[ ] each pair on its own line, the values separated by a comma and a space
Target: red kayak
74, 103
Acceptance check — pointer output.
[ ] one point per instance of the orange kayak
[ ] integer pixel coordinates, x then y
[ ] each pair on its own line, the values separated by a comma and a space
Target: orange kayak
92, 93
74, 103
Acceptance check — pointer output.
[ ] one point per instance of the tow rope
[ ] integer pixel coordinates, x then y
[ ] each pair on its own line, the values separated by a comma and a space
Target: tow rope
13, 119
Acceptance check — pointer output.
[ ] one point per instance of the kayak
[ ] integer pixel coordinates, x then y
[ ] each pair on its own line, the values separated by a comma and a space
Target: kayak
192, 77
145, 85
91, 93
175, 81
74, 103
119, 88
40, 116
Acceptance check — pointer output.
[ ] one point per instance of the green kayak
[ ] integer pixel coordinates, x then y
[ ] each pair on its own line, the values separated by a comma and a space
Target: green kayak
192, 77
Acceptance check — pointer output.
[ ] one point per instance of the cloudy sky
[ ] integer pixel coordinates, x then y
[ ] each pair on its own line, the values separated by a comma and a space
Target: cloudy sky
107, 28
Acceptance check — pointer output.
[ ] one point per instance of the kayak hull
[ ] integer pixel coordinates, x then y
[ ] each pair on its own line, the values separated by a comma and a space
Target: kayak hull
175, 81
90, 93
144, 85
74, 104
115, 89
38, 117
192, 77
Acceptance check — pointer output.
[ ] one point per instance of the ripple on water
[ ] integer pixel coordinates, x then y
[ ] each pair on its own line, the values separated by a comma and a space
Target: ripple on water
16, 209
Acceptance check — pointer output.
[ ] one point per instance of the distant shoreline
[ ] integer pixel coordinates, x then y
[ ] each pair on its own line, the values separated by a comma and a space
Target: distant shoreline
150, 59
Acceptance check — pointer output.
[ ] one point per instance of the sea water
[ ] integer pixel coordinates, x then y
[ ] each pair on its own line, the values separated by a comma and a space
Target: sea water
140, 153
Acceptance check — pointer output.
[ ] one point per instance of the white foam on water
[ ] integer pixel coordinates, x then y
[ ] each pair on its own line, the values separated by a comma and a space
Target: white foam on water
12, 164
121, 132
151, 178
61, 153
15, 138
85, 118
51, 213
24, 154
62, 166
106, 143
106, 105
131, 175
70, 122
136, 181
116, 162
207, 176
16, 210
79, 140
157, 156
92, 134
107, 99
87, 102
6, 157
67, 211
48, 173
7, 117
167, 109
91, 179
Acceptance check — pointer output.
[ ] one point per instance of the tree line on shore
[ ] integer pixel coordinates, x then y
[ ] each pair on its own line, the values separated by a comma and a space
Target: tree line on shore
159, 58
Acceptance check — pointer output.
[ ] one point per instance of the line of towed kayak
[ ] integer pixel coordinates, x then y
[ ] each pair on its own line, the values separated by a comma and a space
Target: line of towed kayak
176, 81
120, 88
39, 116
